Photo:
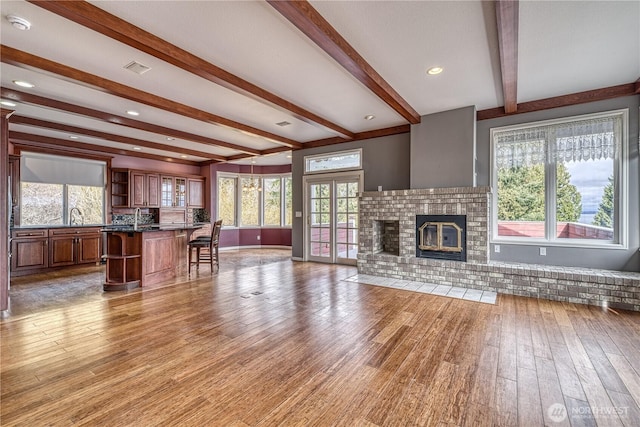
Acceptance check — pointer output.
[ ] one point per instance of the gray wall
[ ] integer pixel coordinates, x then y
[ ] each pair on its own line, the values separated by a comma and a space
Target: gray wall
385, 162
443, 149
614, 259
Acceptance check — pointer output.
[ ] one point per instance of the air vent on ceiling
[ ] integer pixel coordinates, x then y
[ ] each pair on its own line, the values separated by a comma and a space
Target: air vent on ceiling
137, 67
283, 124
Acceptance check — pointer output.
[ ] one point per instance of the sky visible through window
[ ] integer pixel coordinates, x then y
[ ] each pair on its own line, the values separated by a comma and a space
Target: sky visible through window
590, 177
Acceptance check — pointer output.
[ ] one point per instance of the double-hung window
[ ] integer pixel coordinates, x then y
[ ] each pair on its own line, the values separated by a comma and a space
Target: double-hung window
562, 181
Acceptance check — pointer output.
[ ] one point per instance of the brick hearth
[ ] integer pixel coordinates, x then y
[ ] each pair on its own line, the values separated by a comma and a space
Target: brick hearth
387, 249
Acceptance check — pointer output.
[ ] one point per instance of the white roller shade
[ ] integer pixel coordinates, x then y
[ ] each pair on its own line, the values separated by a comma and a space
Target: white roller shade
48, 169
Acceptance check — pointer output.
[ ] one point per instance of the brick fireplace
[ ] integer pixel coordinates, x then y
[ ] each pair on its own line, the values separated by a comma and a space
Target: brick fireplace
387, 248
397, 211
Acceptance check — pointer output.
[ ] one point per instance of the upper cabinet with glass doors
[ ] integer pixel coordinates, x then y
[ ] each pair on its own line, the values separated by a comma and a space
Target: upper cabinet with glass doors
174, 192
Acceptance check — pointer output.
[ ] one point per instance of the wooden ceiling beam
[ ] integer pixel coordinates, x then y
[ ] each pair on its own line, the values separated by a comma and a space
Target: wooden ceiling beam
507, 19
31, 62
109, 25
30, 140
313, 25
28, 121
394, 130
611, 92
40, 101
638, 86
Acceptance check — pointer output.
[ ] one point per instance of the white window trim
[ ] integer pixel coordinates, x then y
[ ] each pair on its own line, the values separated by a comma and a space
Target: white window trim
328, 177
309, 158
621, 164
238, 199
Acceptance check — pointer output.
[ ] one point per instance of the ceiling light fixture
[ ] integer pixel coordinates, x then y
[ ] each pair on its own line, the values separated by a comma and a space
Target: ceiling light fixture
369, 117
170, 139
137, 148
184, 156
7, 103
73, 137
22, 83
132, 113
251, 185
435, 71
18, 22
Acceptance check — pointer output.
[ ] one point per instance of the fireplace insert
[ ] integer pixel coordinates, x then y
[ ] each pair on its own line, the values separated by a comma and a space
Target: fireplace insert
441, 237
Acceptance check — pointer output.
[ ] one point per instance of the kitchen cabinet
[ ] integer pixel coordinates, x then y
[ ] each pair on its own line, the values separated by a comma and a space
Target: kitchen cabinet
29, 250
145, 189
195, 193
119, 188
70, 246
173, 192
34, 250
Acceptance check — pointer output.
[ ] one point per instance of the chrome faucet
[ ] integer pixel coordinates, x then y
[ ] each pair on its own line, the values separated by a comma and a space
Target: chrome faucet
136, 218
79, 212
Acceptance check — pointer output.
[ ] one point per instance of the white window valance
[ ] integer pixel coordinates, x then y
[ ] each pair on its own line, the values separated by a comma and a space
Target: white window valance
588, 139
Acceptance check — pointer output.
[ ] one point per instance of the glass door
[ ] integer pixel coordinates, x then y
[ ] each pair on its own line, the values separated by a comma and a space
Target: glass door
346, 221
332, 219
320, 224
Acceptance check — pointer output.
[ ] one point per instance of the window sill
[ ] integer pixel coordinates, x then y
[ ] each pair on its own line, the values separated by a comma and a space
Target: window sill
569, 243
256, 227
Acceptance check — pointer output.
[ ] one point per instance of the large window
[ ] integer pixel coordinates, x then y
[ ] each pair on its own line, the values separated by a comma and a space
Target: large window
61, 190
254, 201
561, 181
227, 200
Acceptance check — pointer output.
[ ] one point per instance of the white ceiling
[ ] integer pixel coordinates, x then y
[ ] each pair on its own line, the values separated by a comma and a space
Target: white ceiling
564, 47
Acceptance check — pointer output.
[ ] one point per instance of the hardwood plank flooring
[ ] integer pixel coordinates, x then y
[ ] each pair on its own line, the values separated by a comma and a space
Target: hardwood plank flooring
267, 341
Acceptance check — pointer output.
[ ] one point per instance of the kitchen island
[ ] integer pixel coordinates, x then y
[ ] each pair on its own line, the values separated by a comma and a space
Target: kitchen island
145, 255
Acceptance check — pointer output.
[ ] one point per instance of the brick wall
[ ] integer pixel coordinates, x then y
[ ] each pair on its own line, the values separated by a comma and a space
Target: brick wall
577, 285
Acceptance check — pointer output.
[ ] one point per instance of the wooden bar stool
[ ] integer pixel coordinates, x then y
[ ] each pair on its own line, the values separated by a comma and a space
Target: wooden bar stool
210, 243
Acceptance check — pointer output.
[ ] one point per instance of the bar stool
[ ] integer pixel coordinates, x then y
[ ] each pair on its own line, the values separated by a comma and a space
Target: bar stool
206, 242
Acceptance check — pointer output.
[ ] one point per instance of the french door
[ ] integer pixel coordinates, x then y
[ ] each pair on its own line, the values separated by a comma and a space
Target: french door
332, 218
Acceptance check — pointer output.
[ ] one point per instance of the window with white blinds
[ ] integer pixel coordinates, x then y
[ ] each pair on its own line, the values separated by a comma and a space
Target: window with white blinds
58, 190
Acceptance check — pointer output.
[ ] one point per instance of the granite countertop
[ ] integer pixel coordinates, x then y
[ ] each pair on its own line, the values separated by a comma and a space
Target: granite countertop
119, 227
153, 227
34, 227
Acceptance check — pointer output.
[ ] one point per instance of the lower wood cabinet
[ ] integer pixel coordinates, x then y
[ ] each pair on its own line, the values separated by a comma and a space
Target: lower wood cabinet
69, 246
29, 250
37, 249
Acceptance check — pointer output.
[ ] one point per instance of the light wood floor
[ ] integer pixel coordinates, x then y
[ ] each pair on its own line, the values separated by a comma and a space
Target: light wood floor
268, 342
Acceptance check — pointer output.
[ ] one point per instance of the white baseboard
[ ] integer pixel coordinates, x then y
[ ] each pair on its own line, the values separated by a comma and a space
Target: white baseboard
235, 248
297, 258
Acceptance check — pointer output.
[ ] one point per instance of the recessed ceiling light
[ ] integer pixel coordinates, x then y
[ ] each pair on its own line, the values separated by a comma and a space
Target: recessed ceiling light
132, 113
73, 137
7, 103
434, 71
18, 22
288, 156
184, 156
170, 139
22, 83
369, 117
137, 148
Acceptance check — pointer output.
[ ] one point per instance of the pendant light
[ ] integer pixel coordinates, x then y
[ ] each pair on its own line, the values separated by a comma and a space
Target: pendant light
252, 185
